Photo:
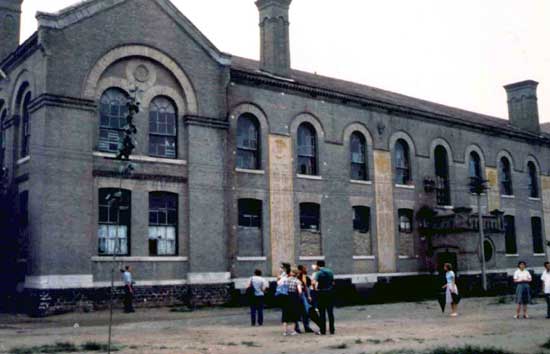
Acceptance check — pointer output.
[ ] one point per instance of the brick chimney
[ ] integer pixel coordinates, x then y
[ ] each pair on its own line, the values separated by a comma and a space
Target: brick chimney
10, 23
275, 38
523, 110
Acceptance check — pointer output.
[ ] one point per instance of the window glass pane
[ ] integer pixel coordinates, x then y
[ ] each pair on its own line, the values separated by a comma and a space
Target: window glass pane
536, 227
361, 219
310, 217
250, 213
113, 112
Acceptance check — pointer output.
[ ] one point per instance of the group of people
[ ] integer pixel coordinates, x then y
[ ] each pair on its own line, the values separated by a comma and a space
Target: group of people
302, 298
522, 279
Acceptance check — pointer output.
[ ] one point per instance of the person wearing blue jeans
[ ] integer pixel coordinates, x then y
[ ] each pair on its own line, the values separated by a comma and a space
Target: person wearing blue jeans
324, 284
258, 286
305, 299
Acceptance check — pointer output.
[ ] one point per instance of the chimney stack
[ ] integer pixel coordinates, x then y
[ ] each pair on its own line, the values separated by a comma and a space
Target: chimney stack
523, 110
10, 23
275, 38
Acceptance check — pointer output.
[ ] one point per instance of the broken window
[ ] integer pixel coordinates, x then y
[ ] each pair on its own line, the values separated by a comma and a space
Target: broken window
163, 223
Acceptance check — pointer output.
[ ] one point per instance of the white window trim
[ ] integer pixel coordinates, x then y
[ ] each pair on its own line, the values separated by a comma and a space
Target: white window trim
23, 160
140, 259
254, 172
511, 255
252, 259
312, 258
535, 199
361, 258
507, 196
317, 178
539, 254
405, 186
447, 207
358, 181
143, 158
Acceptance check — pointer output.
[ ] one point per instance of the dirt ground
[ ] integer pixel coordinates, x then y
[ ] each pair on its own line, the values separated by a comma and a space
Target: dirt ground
363, 329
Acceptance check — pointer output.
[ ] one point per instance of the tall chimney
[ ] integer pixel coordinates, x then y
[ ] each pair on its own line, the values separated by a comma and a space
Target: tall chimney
275, 38
10, 23
523, 109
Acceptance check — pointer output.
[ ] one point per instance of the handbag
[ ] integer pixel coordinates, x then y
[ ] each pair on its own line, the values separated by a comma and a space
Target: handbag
456, 298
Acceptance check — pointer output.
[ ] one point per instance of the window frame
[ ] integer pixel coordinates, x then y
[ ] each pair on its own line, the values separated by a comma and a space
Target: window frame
253, 122
510, 234
166, 209
537, 230
405, 213
308, 153
474, 165
314, 208
505, 176
254, 220
169, 109
443, 180
126, 196
110, 129
361, 166
26, 125
532, 172
358, 210
402, 169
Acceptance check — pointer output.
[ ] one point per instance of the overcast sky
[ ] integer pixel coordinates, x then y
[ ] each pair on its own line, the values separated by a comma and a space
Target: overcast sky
458, 53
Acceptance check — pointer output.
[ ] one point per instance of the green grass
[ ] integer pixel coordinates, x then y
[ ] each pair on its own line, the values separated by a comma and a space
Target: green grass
546, 345
459, 350
63, 347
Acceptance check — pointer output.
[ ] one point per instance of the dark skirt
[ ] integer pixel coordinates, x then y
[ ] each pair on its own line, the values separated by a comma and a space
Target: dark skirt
290, 305
523, 294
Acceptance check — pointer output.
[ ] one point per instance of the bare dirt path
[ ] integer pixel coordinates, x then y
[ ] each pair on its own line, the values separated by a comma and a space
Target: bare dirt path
362, 329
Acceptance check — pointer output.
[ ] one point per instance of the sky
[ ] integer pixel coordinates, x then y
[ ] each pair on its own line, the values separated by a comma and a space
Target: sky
458, 53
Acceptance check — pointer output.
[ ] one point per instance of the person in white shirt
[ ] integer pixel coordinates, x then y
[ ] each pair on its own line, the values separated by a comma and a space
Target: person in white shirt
546, 286
128, 289
258, 286
522, 278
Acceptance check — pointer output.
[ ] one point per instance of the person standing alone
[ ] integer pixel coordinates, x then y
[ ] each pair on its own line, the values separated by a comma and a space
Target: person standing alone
522, 278
324, 284
546, 286
258, 286
128, 289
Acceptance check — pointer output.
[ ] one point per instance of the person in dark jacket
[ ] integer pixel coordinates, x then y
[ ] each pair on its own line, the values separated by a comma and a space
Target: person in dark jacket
324, 285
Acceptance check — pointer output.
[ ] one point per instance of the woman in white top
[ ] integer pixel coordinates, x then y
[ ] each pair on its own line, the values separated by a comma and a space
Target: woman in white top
522, 278
450, 288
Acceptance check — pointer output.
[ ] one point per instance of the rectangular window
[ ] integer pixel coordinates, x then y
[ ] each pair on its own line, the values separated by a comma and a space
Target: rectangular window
163, 223
405, 220
310, 219
250, 213
114, 221
361, 219
510, 234
536, 230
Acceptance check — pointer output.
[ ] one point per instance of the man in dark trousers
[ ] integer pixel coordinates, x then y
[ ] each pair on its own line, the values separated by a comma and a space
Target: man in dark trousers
128, 289
324, 284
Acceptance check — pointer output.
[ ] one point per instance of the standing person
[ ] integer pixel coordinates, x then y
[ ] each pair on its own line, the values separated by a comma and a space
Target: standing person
522, 278
546, 286
305, 298
258, 286
324, 284
291, 310
450, 288
128, 289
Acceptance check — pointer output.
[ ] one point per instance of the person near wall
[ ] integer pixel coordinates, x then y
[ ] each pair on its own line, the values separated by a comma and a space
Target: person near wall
128, 289
451, 290
291, 308
546, 286
258, 286
522, 278
305, 298
324, 285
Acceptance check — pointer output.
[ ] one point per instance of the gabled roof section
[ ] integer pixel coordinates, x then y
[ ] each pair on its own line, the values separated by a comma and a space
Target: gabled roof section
89, 8
318, 85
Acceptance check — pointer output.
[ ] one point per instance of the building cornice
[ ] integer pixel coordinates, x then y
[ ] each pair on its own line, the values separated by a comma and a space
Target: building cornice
203, 121
53, 100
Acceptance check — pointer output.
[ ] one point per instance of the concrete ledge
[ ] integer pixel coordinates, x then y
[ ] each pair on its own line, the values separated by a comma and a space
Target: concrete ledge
251, 259
356, 181
59, 281
209, 278
405, 186
254, 172
362, 258
140, 259
312, 258
317, 178
143, 158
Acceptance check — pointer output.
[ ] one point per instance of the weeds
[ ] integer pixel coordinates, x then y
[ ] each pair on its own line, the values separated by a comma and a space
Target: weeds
63, 347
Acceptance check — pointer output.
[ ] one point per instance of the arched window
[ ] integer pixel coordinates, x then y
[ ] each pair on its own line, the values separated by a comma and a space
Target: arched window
113, 112
163, 224
26, 131
163, 133
533, 180
474, 165
358, 151
505, 177
307, 150
402, 162
248, 142
443, 185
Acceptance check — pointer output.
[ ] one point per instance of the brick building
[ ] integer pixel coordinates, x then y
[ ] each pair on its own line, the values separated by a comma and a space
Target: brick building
242, 164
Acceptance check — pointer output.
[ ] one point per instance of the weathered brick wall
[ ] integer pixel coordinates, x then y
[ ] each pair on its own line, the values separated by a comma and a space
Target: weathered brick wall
250, 241
406, 244
362, 244
310, 243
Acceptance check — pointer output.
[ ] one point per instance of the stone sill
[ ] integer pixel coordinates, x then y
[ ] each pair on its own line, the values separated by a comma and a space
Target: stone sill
405, 186
312, 258
506, 196
142, 158
534, 199
407, 257
140, 259
539, 254
316, 178
356, 181
254, 172
511, 255
363, 258
447, 207
23, 161
251, 259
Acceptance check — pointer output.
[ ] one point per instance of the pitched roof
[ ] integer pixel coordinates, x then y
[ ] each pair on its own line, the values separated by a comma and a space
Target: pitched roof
373, 94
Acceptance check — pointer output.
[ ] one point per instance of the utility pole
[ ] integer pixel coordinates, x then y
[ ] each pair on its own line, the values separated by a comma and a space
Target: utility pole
478, 187
126, 148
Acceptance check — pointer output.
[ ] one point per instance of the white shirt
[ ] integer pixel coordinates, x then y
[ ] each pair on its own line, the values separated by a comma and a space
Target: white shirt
127, 278
259, 284
546, 279
522, 275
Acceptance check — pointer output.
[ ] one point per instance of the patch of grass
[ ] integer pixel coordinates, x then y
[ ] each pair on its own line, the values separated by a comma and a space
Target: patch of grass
339, 346
358, 341
250, 344
546, 345
469, 350
181, 309
63, 347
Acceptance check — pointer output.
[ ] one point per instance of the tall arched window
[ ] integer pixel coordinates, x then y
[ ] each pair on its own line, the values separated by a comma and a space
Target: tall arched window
248, 142
443, 185
533, 180
358, 151
474, 165
402, 162
26, 131
307, 150
163, 133
505, 177
113, 111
